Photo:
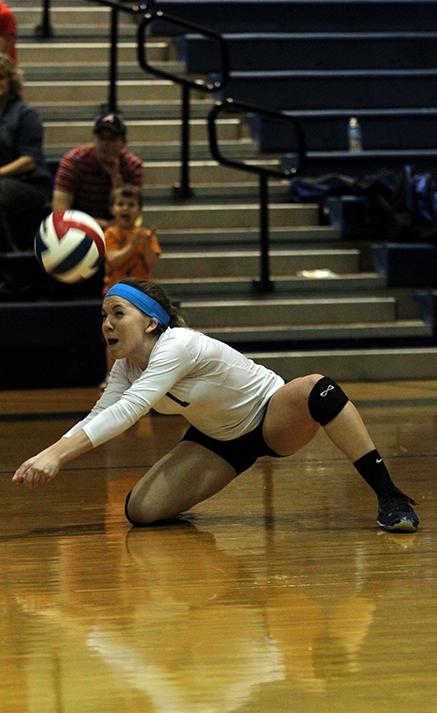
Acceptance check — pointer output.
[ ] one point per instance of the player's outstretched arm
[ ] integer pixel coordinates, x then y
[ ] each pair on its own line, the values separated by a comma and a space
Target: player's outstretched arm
43, 467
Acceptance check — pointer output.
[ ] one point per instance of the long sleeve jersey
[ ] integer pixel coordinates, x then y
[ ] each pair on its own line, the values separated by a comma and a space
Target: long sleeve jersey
218, 390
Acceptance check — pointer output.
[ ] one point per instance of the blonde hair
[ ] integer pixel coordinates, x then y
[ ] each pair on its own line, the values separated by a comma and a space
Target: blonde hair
10, 70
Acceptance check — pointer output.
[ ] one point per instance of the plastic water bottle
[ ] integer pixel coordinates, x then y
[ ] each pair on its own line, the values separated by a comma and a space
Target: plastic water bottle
354, 135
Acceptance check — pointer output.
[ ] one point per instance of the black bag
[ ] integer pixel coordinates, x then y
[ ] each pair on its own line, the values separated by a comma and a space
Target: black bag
313, 190
414, 207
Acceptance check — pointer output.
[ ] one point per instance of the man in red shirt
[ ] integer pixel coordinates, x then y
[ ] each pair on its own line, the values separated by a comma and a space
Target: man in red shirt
87, 174
8, 31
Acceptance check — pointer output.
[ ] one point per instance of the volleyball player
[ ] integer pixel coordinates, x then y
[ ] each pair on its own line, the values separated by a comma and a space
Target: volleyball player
237, 411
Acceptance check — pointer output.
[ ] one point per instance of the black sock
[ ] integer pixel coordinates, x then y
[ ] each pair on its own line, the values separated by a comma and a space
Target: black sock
371, 467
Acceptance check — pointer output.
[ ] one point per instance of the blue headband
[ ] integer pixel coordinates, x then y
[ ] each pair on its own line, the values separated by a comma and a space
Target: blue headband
140, 300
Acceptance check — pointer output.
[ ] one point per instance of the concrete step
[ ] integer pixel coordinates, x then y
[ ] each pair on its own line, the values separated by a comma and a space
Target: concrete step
133, 109
73, 22
326, 89
247, 237
399, 329
97, 71
89, 54
171, 150
73, 15
95, 91
221, 192
194, 265
276, 311
59, 3
201, 172
207, 178
64, 133
311, 50
361, 163
78, 32
223, 216
303, 15
361, 364
233, 287
325, 129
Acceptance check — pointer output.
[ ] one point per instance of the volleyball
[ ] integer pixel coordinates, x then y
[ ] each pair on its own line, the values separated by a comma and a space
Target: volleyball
70, 245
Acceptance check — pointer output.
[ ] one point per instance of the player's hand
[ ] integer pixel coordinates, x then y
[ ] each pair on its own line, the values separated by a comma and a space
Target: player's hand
38, 470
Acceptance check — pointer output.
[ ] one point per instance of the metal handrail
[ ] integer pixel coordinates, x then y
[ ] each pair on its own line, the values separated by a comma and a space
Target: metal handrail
265, 284
183, 190
45, 30
146, 10
133, 9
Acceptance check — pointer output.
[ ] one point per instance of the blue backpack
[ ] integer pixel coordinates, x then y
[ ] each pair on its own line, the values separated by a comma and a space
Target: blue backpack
414, 206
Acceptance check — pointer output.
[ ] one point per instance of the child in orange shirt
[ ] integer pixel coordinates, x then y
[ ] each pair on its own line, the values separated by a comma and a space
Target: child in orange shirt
131, 250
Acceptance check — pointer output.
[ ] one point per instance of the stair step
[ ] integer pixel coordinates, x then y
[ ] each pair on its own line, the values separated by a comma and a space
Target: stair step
98, 71
326, 129
225, 191
207, 178
171, 150
360, 162
315, 311
310, 50
223, 216
184, 288
246, 263
86, 110
80, 32
205, 172
86, 53
76, 91
302, 15
217, 237
333, 89
405, 329
71, 16
148, 131
379, 364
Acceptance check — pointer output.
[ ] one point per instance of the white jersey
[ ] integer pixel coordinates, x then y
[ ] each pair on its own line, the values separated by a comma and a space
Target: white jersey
218, 390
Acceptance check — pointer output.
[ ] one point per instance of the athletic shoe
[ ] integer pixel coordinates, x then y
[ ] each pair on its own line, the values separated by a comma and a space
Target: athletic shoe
396, 514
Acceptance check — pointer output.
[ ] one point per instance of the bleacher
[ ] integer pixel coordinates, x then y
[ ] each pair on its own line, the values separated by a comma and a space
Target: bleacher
322, 61
302, 15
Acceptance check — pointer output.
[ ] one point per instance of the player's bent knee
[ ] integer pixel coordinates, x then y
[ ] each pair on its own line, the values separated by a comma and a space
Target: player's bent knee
128, 509
326, 400
133, 513
138, 513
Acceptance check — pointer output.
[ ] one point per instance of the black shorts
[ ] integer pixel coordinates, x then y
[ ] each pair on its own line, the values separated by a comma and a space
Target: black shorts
241, 452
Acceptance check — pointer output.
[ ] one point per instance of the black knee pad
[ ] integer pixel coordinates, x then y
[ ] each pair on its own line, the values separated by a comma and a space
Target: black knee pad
326, 400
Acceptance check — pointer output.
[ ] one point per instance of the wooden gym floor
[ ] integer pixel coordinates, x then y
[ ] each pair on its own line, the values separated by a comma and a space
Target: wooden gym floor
279, 594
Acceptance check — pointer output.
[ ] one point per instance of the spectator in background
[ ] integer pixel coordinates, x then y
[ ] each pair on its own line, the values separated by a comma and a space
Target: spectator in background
25, 181
131, 250
8, 31
87, 174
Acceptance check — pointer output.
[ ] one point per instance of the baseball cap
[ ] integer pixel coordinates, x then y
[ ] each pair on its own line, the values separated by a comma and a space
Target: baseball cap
112, 122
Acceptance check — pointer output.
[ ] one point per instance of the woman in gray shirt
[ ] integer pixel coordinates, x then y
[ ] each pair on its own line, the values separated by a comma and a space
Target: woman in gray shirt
25, 182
